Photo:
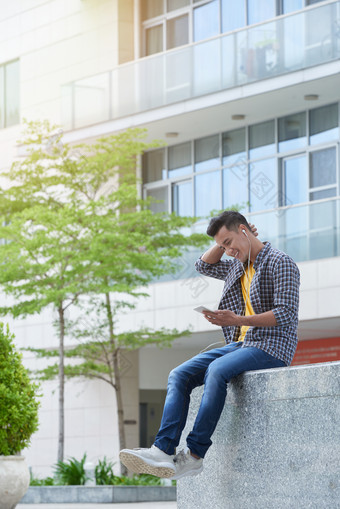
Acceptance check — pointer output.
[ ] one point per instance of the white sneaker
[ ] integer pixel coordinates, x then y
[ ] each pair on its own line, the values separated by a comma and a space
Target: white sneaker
187, 465
148, 461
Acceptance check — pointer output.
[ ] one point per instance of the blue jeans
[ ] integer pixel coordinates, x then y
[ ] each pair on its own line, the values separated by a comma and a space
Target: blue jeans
214, 369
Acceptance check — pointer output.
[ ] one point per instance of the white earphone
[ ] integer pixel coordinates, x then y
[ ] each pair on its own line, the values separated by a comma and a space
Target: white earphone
244, 231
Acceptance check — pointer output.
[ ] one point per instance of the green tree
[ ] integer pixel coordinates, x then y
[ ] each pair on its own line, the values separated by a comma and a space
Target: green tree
18, 398
74, 225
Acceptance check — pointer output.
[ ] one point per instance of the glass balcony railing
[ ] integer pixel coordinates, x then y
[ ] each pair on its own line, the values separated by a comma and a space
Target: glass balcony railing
309, 231
286, 44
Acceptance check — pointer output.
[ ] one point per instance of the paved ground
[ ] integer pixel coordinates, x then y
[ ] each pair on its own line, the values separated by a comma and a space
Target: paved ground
134, 505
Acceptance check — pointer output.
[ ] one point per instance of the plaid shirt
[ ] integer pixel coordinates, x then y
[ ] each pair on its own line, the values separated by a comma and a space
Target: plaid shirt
275, 286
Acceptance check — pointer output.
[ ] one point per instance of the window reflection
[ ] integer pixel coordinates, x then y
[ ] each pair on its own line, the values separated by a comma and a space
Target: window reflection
263, 185
323, 124
295, 180
292, 132
182, 198
207, 193
206, 21
235, 186
179, 158
233, 15
323, 167
234, 146
207, 153
154, 165
177, 31
262, 139
160, 195
154, 40
260, 10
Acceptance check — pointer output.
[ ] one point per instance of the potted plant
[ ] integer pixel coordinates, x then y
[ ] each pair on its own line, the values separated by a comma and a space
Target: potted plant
18, 420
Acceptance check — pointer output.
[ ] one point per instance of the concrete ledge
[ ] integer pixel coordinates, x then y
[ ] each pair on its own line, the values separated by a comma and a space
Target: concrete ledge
276, 446
97, 494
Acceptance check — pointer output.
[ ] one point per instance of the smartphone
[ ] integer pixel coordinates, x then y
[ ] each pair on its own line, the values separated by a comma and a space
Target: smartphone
200, 309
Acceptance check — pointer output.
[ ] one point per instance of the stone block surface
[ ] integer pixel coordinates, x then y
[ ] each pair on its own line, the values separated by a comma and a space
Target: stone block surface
276, 446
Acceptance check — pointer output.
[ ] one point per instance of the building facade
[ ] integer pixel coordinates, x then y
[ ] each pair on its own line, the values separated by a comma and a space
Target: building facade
246, 95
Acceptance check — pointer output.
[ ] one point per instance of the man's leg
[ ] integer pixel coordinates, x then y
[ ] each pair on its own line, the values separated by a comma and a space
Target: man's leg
217, 376
159, 459
182, 380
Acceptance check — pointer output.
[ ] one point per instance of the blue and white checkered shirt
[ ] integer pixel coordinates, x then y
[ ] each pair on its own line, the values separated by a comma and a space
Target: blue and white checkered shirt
275, 286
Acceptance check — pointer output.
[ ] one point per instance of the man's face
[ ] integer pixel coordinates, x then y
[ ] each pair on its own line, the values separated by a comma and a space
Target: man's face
234, 243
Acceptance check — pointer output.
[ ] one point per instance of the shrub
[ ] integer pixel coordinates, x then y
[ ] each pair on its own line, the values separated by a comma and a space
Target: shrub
71, 472
104, 472
18, 397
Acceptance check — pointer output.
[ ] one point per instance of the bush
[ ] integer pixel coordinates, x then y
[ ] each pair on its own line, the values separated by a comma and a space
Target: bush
18, 397
71, 472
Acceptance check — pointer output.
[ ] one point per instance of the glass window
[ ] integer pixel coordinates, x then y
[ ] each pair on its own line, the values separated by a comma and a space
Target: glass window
151, 8
233, 15
263, 185
154, 40
172, 5
295, 180
207, 153
154, 166
323, 167
235, 186
262, 139
179, 160
207, 193
260, 10
160, 196
292, 5
182, 198
323, 124
12, 94
321, 195
234, 146
177, 31
206, 21
292, 132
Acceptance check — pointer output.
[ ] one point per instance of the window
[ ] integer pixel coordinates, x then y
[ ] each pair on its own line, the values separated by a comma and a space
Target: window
292, 132
180, 160
244, 167
207, 153
233, 15
260, 10
9, 94
323, 124
177, 32
322, 173
295, 180
206, 21
168, 24
262, 139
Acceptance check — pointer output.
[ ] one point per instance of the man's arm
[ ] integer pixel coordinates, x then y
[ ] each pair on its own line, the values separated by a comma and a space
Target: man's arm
213, 255
224, 317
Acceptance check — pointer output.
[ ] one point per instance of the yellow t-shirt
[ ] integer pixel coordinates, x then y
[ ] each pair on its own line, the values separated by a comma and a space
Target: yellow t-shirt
245, 284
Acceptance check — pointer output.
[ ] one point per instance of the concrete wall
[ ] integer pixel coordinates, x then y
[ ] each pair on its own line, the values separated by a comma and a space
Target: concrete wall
277, 444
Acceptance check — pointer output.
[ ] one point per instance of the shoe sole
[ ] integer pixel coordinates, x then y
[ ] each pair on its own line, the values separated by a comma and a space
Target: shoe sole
139, 466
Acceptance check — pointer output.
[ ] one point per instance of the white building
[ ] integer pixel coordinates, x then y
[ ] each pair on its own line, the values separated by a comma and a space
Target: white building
246, 95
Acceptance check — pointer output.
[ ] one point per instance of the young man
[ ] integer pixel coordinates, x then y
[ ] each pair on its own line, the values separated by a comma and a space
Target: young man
258, 313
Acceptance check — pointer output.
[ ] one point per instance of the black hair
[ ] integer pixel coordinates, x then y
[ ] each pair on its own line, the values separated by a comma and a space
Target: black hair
230, 219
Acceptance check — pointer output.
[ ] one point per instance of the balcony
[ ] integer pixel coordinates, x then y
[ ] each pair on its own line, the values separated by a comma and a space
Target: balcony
289, 43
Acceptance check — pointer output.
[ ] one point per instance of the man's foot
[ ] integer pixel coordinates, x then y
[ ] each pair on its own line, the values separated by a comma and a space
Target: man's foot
187, 465
148, 461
